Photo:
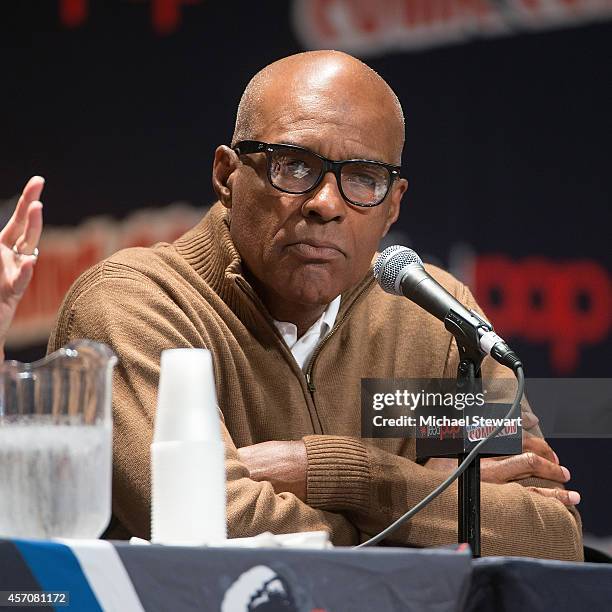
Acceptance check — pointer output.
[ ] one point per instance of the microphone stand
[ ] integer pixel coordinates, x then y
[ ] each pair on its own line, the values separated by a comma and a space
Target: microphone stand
468, 502
466, 329
468, 380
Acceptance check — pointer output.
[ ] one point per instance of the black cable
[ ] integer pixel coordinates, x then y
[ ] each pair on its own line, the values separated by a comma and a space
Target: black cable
470, 457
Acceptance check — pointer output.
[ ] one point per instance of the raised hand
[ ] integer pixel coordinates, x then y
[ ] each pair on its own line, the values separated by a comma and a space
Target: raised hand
18, 252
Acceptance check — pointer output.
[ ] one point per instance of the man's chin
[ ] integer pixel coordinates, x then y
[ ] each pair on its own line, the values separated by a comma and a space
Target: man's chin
311, 298
309, 291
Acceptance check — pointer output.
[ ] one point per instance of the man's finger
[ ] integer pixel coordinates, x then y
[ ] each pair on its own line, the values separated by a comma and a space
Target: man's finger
14, 228
569, 498
539, 446
522, 466
23, 278
28, 241
530, 420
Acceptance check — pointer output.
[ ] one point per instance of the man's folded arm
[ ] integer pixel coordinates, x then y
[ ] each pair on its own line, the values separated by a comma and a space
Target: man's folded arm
123, 309
374, 487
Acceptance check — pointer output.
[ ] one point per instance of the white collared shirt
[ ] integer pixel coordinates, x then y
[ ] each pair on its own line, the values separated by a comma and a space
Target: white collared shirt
303, 348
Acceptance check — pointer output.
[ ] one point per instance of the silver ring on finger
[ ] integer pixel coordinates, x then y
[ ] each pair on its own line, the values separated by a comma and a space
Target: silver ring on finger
34, 254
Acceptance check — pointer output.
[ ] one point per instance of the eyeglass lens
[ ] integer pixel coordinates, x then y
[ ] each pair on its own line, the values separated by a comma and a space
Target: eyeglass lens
298, 171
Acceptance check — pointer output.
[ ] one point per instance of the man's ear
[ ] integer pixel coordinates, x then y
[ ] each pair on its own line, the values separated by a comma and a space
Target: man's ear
399, 189
224, 164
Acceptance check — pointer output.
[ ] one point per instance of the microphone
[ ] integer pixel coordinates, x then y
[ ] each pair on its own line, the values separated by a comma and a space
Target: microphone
399, 271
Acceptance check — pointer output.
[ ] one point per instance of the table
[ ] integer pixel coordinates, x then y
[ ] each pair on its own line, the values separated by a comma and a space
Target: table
102, 575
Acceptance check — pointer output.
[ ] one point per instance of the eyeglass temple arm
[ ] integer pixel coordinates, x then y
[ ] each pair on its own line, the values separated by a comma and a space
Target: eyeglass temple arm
249, 146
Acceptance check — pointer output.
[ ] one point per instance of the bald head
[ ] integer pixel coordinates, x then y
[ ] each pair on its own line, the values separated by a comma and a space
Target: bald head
315, 83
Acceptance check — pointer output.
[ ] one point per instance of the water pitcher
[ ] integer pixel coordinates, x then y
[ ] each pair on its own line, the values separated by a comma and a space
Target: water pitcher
55, 444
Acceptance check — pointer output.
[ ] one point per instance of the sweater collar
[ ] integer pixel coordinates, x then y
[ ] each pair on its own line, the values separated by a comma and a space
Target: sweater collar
210, 251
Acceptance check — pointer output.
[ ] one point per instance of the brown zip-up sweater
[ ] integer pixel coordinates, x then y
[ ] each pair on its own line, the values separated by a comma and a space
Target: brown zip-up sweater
192, 294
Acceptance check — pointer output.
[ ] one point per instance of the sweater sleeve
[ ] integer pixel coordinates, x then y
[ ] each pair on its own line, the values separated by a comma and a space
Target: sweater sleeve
374, 487
125, 310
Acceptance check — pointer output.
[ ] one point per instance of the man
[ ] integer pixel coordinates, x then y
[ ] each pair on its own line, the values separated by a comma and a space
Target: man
19, 252
283, 260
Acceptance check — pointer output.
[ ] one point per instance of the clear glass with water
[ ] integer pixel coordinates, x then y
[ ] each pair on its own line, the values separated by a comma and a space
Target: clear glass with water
56, 444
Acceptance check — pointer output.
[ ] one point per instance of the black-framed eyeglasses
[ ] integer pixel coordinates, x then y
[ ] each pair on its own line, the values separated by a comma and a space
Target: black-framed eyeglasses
296, 170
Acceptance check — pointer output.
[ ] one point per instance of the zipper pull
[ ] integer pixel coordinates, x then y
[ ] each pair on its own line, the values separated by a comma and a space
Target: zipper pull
310, 384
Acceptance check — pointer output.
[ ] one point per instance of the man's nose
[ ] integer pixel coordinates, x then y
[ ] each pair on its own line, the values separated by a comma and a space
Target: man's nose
325, 202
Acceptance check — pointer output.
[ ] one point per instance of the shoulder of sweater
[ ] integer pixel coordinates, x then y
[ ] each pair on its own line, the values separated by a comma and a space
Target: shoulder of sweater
133, 276
447, 280
142, 265
143, 261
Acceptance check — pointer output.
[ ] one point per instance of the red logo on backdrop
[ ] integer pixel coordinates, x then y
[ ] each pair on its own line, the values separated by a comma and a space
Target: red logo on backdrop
567, 305
165, 14
369, 27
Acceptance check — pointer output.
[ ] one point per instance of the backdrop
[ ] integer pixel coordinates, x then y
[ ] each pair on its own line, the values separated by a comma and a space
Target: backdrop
120, 104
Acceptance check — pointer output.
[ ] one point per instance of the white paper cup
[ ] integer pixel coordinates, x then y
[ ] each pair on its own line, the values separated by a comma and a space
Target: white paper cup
187, 454
187, 399
188, 493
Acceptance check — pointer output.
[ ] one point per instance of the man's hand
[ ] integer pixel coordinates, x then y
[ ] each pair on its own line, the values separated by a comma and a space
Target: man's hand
18, 241
537, 460
281, 463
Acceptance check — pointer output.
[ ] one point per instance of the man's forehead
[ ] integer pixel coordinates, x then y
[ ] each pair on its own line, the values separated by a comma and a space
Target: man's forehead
315, 119
335, 141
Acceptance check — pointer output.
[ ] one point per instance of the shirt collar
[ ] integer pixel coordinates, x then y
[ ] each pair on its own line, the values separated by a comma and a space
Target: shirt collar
316, 331
330, 314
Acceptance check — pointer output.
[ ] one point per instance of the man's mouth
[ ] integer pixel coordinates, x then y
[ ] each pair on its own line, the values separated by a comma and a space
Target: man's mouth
314, 250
